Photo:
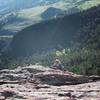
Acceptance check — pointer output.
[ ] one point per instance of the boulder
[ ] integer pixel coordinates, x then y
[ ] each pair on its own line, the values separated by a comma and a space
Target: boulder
61, 78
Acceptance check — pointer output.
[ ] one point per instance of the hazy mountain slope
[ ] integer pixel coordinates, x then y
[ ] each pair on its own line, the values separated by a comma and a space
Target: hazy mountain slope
58, 33
30, 11
30, 14
11, 5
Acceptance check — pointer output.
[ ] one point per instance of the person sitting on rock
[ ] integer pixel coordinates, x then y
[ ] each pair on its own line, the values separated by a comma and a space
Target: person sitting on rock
57, 65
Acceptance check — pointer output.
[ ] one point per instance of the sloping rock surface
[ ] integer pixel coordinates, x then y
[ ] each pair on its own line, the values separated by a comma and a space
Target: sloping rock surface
39, 83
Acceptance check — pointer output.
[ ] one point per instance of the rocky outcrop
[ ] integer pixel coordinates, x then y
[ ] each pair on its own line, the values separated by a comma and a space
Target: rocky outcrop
39, 83
61, 78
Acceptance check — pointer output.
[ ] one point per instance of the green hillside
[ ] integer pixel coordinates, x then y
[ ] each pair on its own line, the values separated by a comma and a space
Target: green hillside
33, 15
88, 4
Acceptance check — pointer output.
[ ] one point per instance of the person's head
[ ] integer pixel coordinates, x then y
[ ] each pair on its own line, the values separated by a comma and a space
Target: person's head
57, 61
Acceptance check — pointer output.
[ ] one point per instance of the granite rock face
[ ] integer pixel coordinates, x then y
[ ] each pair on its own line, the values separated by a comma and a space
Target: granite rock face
39, 83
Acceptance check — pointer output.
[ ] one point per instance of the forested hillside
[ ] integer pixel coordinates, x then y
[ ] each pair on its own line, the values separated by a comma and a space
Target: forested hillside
80, 28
